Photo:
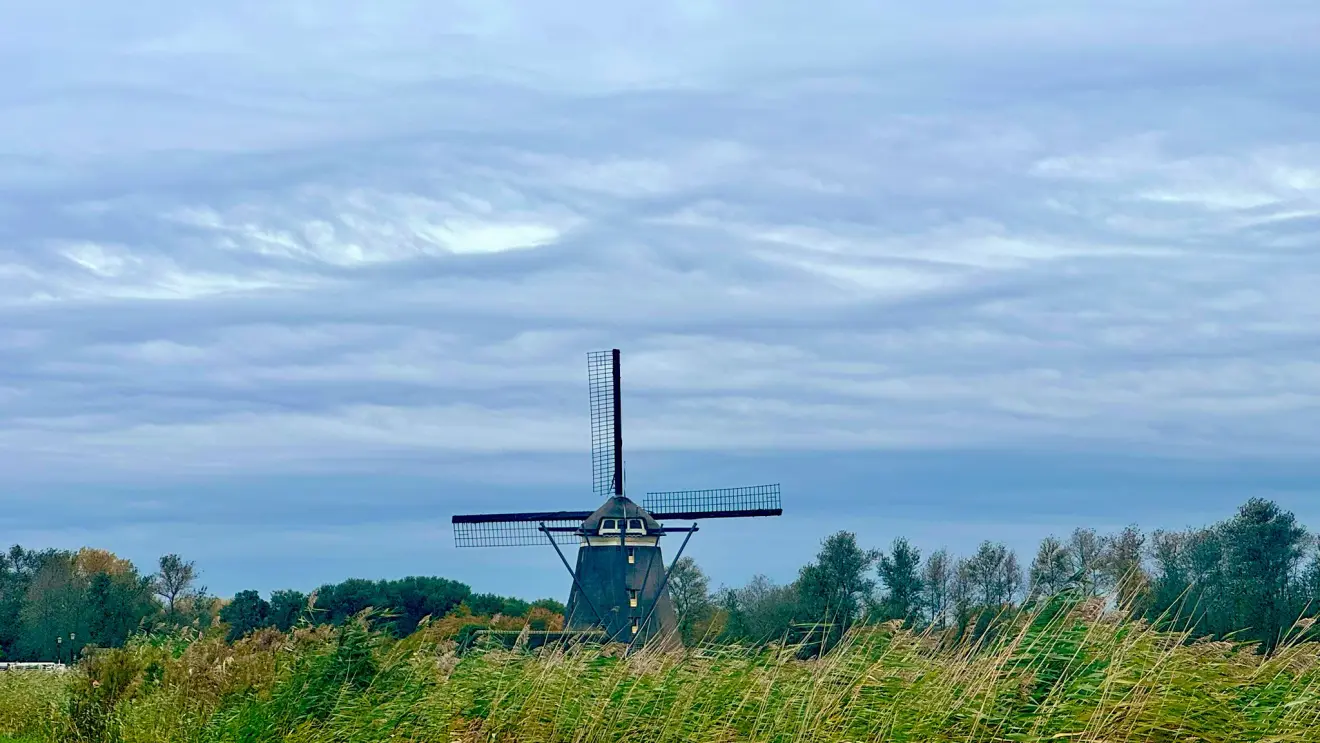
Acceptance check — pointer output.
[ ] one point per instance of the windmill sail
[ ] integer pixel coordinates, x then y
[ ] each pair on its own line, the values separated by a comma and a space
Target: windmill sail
517, 529
719, 503
621, 583
606, 428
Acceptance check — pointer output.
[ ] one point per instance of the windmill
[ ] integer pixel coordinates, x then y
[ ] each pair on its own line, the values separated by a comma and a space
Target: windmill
620, 585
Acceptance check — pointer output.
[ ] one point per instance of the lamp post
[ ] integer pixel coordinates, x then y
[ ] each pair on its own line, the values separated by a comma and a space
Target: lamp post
59, 649
72, 637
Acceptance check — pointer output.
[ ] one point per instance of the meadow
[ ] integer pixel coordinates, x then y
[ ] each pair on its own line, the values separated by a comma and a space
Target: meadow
1065, 673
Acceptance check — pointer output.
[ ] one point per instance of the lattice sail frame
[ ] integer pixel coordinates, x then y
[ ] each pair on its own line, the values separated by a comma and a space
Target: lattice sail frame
563, 527
600, 394
754, 500
515, 531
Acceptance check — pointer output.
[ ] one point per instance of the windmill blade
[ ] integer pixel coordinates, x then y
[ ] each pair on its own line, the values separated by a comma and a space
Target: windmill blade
517, 529
719, 503
606, 428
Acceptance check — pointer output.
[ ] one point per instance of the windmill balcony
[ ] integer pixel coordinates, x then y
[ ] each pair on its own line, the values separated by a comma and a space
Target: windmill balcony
612, 540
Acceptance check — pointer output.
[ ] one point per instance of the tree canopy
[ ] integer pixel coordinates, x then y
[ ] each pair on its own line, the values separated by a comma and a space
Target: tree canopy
1250, 576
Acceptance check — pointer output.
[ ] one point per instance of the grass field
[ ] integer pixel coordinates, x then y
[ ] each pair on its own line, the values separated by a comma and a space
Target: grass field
1069, 676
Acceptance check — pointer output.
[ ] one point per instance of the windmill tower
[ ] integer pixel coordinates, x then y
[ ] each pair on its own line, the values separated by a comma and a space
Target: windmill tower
620, 584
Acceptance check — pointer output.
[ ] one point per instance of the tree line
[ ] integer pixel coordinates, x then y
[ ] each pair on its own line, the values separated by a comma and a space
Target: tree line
1251, 576
54, 603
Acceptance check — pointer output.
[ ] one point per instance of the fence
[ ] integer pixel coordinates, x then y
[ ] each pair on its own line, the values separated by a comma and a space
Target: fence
48, 667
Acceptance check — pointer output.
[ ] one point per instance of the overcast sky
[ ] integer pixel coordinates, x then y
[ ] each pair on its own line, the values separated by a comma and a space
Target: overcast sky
283, 285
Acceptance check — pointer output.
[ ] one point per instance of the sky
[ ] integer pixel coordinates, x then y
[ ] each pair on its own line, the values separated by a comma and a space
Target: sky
284, 285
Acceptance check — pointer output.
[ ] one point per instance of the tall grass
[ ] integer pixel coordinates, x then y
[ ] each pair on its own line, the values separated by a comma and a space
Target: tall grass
32, 706
1065, 674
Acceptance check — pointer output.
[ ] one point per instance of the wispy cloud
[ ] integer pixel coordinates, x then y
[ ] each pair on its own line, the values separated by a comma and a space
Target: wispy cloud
272, 238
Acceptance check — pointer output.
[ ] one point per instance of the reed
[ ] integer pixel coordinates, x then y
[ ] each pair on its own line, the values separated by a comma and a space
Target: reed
1065, 673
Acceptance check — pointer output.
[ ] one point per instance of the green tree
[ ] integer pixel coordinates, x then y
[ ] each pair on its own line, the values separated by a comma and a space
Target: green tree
117, 605
760, 611
177, 577
515, 607
937, 575
335, 603
1086, 552
690, 589
994, 575
900, 573
1170, 581
1242, 576
52, 609
490, 604
551, 605
1122, 566
16, 570
962, 594
1051, 569
246, 613
1263, 550
1310, 585
1190, 592
1209, 601
835, 586
405, 602
90, 596
287, 608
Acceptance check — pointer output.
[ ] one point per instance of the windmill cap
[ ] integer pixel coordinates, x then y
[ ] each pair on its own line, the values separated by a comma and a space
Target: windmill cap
620, 507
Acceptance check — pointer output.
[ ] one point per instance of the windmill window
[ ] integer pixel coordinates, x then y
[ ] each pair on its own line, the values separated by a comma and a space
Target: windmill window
636, 624
635, 526
632, 556
609, 526
632, 597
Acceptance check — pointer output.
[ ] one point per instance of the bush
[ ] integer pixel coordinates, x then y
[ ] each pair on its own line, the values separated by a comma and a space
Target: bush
108, 677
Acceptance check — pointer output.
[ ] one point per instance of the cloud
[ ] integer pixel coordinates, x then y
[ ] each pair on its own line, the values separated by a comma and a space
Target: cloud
893, 280
275, 239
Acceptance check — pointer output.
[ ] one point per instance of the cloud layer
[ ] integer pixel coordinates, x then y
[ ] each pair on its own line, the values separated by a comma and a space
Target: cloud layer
305, 239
